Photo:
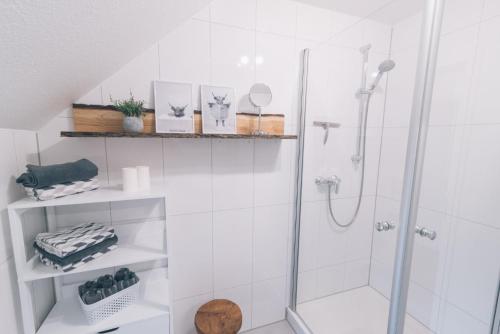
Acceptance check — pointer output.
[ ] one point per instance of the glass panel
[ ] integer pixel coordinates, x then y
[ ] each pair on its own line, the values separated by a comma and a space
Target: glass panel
454, 282
345, 273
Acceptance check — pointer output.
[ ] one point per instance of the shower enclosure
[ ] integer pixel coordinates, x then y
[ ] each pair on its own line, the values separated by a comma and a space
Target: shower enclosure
398, 181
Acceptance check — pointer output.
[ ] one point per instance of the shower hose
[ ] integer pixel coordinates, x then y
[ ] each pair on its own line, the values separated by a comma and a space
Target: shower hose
362, 181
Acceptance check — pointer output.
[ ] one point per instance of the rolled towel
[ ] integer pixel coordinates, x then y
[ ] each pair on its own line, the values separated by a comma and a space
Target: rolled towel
45, 176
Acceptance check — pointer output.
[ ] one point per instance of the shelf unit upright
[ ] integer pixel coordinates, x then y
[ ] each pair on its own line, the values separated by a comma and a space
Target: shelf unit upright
149, 313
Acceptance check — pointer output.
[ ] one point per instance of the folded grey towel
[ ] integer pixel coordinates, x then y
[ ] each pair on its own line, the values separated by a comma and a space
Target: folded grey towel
45, 176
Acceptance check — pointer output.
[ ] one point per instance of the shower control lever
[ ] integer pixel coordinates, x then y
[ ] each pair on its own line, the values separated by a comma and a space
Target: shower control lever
425, 232
332, 181
384, 226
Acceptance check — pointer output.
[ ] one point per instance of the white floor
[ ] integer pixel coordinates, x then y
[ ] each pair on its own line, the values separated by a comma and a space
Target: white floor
281, 327
359, 311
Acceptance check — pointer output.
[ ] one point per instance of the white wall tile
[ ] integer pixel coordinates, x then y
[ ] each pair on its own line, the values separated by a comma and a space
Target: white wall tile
78, 214
473, 272
242, 296
341, 22
191, 243
185, 311
232, 163
357, 274
277, 16
188, 175
8, 169
25, 144
232, 248
384, 244
313, 23
149, 235
424, 306
9, 304
330, 280
145, 152
203, 14
233, 66
461, 13
270, 242
359, 235
136, 77
483, 106
93, 97
479, 190
455, 321
268, 302
381, 278
491, 9
272, 172
137, 211
306, 286
309, 235
238, 13
185, 56
277, 66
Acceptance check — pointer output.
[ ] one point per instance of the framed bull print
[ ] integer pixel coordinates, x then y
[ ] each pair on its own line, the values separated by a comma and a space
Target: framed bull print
218, 109
173, 107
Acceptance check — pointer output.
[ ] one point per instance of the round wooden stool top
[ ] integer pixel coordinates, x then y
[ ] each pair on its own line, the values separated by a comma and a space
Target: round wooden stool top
220, 316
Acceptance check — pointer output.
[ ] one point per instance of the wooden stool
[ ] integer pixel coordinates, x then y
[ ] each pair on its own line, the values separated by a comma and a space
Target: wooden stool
220, 316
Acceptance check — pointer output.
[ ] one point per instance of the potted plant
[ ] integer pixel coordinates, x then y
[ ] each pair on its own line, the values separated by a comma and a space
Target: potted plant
132, 111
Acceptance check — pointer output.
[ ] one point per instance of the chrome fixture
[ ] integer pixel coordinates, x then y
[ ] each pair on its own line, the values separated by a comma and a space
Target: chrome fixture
326, 126
260, 96
384, 226
425, 232
333, 182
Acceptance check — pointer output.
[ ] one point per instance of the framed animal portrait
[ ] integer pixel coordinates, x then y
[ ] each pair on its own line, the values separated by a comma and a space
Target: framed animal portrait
173, 107
218, 108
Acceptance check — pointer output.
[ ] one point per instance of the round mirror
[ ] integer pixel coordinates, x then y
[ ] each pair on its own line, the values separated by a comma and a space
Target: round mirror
260, 95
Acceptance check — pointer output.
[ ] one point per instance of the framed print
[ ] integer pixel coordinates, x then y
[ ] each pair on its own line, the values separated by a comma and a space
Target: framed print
218, 109
173, 107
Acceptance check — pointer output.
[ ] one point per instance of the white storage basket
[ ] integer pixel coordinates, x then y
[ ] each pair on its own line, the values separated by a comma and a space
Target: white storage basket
110, 305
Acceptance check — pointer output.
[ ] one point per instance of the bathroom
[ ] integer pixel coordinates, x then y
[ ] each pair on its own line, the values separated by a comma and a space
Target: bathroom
371, 209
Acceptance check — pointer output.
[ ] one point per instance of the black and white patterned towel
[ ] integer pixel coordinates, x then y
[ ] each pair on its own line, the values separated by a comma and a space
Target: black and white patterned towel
77, 264
61, 190
75, 239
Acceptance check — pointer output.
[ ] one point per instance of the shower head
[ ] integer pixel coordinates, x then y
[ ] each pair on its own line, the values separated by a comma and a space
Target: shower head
385, 66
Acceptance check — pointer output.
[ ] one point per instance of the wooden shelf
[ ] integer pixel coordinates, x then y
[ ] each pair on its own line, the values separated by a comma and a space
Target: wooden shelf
75, 134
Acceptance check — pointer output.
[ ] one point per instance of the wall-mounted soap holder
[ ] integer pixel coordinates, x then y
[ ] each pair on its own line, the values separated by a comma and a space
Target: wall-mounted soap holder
326, 126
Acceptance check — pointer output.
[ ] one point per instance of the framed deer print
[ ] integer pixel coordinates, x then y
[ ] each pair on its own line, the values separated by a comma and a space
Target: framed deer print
218, 109
173, 107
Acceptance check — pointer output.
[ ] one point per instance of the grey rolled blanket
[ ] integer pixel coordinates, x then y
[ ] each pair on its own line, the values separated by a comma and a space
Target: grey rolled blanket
44, 176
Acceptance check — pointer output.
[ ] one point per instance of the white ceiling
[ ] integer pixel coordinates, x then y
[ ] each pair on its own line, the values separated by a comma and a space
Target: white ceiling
53, 51
386, 11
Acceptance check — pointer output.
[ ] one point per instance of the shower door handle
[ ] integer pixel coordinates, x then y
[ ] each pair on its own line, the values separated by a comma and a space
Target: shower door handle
384, 226
426, 233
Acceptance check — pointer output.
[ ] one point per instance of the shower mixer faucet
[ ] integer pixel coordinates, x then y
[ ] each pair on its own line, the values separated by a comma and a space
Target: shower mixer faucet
332, 182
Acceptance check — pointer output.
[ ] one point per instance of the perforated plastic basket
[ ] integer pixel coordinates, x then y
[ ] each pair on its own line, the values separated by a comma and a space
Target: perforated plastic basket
111, 305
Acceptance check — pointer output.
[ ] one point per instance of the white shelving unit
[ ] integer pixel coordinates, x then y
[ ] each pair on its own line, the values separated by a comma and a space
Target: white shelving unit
150, 314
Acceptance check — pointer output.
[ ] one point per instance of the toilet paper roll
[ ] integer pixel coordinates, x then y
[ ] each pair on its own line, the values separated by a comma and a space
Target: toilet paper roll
130, 179
144, 177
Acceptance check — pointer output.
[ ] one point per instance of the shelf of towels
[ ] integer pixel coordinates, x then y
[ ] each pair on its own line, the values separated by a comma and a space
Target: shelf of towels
124, 255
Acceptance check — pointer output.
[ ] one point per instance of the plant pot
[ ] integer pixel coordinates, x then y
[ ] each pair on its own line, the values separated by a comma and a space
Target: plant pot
133, 124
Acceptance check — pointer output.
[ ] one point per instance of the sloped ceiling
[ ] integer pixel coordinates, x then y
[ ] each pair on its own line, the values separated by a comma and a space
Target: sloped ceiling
54, 51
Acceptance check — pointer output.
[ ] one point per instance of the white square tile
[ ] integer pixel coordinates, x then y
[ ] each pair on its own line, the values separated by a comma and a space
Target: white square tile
330, 280
132, 152
472, 280
357, 274
423, 305
188, 175
140, 210
190, 238
185, 56
332, 241
9, 303
482, 106
272, 172
277, 66
137, 77
270, 242
455, 321
491, 8
381, 278
232, 248
406, 33
238, 13
313, 23
306, 286
341, 22
71, 215
185, 311
359, 234
392, 162
150, 235
479, 185
277, 16
242, 296
233, 66
25, 144
232, 163
268, 302
461, 13
309, 235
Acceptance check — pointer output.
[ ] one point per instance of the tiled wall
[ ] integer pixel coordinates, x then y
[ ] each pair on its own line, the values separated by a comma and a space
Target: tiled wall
18, 149
228, 202
455, 277
334, 259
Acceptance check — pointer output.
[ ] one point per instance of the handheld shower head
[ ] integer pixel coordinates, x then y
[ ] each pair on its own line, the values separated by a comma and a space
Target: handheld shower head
385, 66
